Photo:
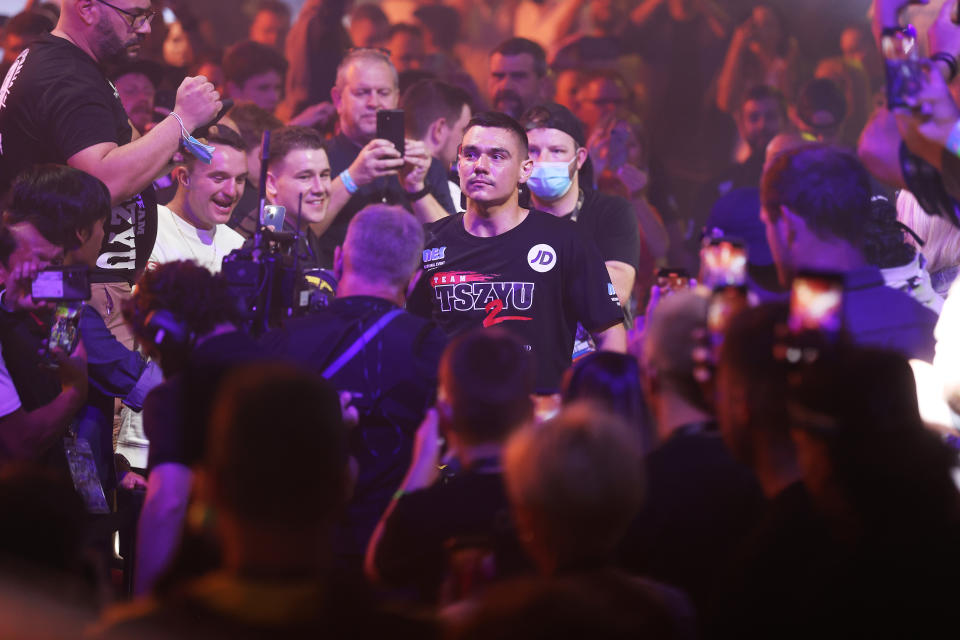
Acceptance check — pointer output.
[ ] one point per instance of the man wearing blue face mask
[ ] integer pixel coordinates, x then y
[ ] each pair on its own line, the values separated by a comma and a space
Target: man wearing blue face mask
558, 150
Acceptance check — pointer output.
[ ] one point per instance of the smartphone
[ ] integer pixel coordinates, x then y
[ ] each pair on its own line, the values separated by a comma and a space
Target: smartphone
65, 330
725, 302
272, 216
723, 262
816, 304
390, 127
62, 284
904, 70
673, 279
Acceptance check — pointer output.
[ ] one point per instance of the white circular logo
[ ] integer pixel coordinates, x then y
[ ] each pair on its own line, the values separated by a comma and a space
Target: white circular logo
542, 258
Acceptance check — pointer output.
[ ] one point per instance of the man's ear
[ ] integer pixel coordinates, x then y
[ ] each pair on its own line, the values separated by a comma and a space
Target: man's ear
336, 97
582, 154
270, 186
438, 132
182, 175
85, 9
526, 168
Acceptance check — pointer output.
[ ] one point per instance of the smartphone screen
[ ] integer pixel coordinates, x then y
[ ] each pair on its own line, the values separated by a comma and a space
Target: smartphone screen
390, 127
272, 217
723, 263
673, 279
725, 303
816, 304
65, 330
62, 283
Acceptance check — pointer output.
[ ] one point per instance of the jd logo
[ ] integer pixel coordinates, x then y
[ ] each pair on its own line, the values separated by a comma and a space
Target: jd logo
542, 258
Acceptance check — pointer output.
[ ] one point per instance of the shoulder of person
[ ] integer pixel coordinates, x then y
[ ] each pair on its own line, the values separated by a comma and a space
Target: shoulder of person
605, 203
441, 226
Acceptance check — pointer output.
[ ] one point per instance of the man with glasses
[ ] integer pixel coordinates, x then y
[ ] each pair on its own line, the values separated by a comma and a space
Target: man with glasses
56, 105
366, 168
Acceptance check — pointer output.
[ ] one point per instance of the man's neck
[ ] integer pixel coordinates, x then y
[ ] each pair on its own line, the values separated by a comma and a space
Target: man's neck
71, 36
827, 255
563, 205
774, 464
351, 285
674, 413
182, 210
358, 139
488, 220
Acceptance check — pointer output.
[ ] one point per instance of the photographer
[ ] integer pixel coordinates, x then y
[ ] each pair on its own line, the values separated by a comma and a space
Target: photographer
366, 344
57, 213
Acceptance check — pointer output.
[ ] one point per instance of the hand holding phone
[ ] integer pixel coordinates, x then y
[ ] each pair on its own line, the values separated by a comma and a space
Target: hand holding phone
390, 127
70, 284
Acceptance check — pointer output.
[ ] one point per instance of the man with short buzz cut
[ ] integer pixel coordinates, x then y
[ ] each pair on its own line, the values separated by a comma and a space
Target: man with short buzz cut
58, 106
498, 263
298, 179
392, 377
255, 72
436, 113
822, 229
518, 76
368, 169
558, 148
193, 226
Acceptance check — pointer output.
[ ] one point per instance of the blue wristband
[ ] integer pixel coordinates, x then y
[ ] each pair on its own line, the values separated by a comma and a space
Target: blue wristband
348, 182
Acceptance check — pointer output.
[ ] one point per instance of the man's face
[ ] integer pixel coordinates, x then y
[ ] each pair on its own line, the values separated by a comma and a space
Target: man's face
269, 28
514, 85
301, 172
367, 33
114, 39
31, 247
177, 51
491, 164
760, 122
599, 99
552, 145
263, 90
407, 51
568, 84
213, 190
137, 95
368, 86
447, 154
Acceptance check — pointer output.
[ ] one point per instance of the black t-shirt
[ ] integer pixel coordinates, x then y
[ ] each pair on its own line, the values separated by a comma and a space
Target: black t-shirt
610, 223
538, 279
342, 152
54, 103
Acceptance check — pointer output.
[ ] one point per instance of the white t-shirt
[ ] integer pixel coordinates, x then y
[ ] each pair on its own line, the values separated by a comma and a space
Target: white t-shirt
9, 399
177, 239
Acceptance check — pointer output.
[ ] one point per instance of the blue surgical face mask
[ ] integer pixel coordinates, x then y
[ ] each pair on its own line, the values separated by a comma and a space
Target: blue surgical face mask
551, 180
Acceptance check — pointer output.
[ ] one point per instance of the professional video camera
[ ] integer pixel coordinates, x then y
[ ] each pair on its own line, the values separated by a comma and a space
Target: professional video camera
267, 275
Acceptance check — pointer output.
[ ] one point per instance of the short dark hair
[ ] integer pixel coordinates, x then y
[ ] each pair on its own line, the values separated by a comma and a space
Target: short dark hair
274, 6
59, 201
287, 139
760, 92
427, 101
520, 46
442, 22
403, 27
277, 448
252, 121
199, 298
488, 376
216, 135
371, 12
247, 59
825, 186
28, 24
498, 120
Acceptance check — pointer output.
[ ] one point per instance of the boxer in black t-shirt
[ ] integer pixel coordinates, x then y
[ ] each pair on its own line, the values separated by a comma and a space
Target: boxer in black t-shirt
501, 264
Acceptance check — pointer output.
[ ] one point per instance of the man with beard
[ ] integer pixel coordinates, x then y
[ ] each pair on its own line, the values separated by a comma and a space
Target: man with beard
518, 76
56, 105
193, 226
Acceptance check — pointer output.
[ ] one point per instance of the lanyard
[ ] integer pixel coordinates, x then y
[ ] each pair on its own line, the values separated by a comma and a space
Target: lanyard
576, 210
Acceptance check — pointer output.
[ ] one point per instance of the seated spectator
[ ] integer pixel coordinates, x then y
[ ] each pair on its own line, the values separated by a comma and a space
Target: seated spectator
185, 318
374, 268
699, 503
254, 72
434, 528
936, 238
762, 52
822, 228
518, 77
407, 49
276, 473
574, 484
193, 226
270, 24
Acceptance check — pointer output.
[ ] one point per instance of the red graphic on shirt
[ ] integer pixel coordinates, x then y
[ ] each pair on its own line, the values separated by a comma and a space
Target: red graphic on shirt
494, 307
465, 291
456, 277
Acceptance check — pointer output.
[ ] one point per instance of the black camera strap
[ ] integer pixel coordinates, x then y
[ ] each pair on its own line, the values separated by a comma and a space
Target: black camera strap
350, 352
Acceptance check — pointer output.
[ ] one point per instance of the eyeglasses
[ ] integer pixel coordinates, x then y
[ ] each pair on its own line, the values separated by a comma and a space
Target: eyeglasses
139, 18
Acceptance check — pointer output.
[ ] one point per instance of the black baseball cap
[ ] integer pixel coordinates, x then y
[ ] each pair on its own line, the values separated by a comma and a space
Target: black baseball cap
821, 105
554, 116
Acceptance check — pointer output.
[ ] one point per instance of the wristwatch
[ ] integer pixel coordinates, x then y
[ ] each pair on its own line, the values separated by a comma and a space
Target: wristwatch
417, 195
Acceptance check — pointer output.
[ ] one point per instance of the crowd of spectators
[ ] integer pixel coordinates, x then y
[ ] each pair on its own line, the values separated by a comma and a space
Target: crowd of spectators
647, 324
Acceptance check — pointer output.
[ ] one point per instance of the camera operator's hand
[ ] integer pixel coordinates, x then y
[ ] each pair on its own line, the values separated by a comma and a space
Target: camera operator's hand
72, 369
426, 454
379, 158
197, 102
934, 113
416, 162
944, 35
20, 285
318, 114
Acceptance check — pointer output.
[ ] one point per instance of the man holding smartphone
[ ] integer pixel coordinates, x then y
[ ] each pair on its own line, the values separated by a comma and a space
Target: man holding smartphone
368, 169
